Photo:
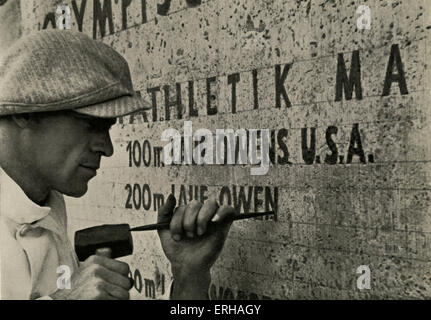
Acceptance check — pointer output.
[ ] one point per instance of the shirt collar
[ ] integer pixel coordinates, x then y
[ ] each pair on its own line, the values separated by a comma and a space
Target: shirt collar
15, 204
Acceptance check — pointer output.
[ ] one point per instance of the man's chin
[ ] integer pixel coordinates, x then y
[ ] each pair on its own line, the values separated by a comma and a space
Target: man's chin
75, 193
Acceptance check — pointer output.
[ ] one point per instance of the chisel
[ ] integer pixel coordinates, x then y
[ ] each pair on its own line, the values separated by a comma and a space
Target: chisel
118, 237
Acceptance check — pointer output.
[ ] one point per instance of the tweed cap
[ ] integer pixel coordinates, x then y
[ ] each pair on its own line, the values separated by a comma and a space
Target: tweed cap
53, 70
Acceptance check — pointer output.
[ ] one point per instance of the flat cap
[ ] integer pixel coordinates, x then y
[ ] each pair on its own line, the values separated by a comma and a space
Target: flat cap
53, 70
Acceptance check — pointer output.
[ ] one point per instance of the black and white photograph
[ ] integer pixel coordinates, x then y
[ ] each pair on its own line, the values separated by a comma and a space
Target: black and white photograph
222, 150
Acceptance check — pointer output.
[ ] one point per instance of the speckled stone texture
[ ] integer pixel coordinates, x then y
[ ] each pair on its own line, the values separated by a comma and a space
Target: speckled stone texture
10, 23
282, 57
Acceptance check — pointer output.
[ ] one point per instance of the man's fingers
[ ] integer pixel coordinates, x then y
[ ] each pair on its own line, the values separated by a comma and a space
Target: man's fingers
206, 213
104, 252
224, 213
111, 264
115, 279
176, 225
115, 291
194, 218
165, 212
189, 219
223, 220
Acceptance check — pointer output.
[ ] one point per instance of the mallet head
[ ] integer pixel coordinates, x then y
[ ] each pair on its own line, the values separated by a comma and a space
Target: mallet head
117, 237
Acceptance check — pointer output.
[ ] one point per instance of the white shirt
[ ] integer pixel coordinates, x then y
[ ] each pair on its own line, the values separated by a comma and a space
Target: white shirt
33, 243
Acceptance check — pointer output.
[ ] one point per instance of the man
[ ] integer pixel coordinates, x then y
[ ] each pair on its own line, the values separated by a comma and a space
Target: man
60, 93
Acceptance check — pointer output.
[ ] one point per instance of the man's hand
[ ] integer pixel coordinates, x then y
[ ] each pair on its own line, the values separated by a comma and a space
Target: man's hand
98, 278
192, 245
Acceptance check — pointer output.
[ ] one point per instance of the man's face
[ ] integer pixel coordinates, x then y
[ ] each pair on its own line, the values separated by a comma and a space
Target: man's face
66, 149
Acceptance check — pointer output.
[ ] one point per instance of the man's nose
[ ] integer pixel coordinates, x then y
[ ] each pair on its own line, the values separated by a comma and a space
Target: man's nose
102, 143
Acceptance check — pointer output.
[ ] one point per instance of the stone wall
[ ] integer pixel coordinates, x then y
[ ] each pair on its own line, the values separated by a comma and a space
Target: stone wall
349, 119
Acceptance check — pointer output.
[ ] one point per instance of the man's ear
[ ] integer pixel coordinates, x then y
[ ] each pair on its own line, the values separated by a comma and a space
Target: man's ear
21, 120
